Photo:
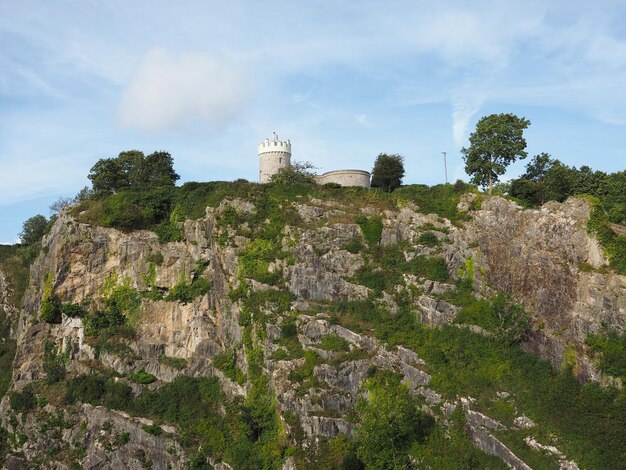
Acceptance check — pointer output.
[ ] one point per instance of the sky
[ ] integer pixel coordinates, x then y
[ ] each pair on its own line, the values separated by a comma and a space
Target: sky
344, 80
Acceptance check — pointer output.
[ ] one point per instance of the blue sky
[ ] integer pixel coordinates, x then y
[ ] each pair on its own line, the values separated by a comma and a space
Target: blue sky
344, 80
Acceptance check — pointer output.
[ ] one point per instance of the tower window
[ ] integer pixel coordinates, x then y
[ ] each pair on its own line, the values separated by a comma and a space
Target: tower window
280, 159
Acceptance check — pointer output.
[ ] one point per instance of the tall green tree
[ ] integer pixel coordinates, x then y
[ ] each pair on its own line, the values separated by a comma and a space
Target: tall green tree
388, 172
391, 422
132, 170
496, 143
33, 229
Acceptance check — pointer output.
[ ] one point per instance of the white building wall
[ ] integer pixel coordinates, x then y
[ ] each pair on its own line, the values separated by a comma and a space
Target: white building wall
346, 178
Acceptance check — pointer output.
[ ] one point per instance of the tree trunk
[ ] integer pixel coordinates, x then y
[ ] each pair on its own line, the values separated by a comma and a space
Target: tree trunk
490, 185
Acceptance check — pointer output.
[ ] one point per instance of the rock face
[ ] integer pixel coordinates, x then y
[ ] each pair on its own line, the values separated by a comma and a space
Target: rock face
533, 255
536, 255
7, 305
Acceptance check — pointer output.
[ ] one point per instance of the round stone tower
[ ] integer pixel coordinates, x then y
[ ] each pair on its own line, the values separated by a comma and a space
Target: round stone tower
274, 154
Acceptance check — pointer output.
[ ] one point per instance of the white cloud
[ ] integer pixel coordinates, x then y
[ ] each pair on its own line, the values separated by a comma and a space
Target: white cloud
168, 92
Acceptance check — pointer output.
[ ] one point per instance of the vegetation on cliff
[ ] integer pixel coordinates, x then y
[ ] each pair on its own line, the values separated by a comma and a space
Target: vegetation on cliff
263, 230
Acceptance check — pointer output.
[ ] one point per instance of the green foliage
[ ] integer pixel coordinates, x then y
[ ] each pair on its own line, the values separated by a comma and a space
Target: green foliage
428, 239
451, 448
506, 320
14, 262
153, 429
433, 268
390, 423
133, 210
255, 258
613, 244
155, 257
33, 229
142, 377
371, 228
549, 179
73, 310
611, 353
297, 173
122, 300
97, 390
185, 293
334, 343
51, 309
353, 246
131, 170
441, 199
305, 374
23, 401
53, 364
388, 172
7, 353
227, 363
496, 143
50, 304
173, 362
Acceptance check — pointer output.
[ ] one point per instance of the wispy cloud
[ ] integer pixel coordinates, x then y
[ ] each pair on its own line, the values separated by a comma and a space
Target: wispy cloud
169, 92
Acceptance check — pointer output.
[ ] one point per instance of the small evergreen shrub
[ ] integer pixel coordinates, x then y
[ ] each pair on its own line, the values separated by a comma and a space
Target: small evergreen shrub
142, 377
428, 239
353, 246
23, 401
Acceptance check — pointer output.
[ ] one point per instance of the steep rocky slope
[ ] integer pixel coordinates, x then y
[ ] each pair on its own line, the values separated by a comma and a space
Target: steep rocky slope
292, 311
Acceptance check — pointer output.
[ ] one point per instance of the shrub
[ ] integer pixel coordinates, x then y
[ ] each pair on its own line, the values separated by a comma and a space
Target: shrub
255, 258
227, 363
73, 310
334, 343
613, 244
51, 309
428, 239
153, 429
612, 349
391, 422
185, 293
23, 401
142, 377
353, 246
433, 268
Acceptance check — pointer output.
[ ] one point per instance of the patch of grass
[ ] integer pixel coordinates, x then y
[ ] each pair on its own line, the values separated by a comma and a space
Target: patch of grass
371, 228
610, 353
433, 268
334, 343
506, 320
152, 429
174, 362
441, 199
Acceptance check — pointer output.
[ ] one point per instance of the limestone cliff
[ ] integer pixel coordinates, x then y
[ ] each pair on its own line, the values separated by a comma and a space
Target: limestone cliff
533, 255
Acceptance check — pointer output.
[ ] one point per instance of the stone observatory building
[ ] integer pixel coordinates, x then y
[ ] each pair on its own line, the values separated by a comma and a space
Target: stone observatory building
275, 154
